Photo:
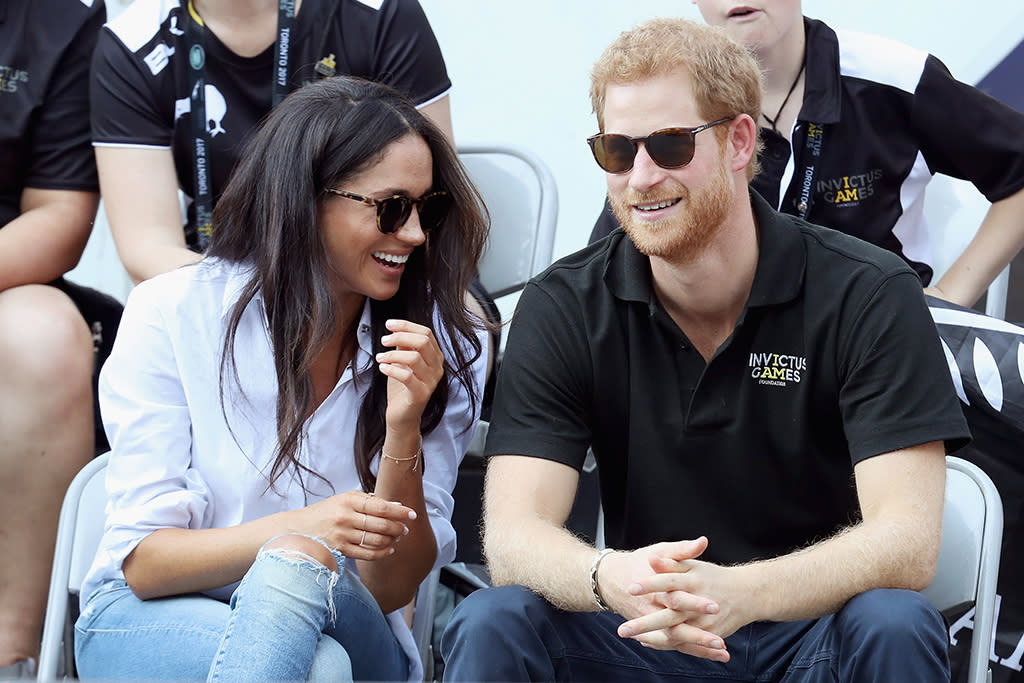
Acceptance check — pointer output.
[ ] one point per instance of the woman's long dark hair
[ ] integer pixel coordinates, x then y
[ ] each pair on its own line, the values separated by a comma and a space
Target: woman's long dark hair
318, 137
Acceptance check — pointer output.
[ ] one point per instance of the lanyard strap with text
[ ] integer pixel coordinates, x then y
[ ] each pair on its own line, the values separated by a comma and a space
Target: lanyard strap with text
201, 172
812, 154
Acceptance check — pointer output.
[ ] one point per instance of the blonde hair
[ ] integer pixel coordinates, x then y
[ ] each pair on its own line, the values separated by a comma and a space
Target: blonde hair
725, 77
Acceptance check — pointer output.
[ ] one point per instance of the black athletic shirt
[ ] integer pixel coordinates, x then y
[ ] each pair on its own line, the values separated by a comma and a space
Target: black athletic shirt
140, 92
835, 359
45, 48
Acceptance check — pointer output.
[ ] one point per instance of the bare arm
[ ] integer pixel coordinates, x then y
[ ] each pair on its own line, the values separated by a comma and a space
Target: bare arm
895, 546
526, 503
140, 193
440, 112
47, 239
414, 366
173, 561
999, 238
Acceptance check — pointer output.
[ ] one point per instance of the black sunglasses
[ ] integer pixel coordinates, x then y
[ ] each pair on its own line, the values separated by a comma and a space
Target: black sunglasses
668, 147
394, 211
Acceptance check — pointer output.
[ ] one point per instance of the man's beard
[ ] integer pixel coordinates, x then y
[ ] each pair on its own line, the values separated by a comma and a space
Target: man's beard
686, 234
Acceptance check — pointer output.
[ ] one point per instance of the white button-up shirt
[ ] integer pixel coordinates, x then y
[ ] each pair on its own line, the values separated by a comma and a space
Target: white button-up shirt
183, 458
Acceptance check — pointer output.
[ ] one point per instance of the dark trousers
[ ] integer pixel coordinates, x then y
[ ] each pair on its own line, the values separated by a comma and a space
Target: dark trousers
510, 634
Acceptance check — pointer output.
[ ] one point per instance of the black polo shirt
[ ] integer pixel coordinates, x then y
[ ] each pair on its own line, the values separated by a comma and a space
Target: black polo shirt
834, 359
45, 48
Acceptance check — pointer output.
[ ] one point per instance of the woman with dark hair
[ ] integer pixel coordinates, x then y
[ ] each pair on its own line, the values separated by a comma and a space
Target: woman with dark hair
253, 531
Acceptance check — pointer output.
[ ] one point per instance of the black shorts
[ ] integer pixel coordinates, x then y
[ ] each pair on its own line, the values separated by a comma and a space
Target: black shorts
102, 313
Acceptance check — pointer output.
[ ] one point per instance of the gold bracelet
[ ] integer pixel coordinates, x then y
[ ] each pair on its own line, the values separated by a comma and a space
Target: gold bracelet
416, 456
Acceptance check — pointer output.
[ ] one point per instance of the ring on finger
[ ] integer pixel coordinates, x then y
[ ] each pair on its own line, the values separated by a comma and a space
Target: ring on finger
363, 508
362, 539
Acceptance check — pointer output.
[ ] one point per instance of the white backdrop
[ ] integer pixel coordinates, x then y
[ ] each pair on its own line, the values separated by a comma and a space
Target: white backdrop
520, 74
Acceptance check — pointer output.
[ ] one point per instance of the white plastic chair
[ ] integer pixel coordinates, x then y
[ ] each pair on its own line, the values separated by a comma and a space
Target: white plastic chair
79, 530
972, 535
520, 194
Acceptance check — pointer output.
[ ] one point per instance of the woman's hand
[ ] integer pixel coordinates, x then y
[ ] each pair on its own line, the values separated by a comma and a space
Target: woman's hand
414, 368
359, 525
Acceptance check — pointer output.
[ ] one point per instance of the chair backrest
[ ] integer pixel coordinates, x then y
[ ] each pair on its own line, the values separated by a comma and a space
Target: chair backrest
972, 532
520, 194
79, 530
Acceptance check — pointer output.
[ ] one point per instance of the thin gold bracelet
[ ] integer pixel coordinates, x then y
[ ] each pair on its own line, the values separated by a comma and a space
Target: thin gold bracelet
415, 457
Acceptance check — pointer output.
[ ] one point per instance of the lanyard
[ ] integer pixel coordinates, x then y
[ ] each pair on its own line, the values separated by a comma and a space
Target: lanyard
813, 142
202, 175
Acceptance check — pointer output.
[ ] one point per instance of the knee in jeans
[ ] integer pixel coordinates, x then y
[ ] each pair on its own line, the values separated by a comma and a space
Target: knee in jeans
299, 547
891, 615
492, 609
330, 662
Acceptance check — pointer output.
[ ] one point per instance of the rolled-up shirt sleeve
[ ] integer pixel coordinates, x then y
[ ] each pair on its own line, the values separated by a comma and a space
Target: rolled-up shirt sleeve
150, 481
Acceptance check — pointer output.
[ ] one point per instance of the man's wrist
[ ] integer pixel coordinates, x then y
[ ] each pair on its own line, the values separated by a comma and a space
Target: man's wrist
594, 587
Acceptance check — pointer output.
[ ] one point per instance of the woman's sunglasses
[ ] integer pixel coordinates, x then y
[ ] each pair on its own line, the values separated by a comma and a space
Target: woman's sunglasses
668, 147
394, 211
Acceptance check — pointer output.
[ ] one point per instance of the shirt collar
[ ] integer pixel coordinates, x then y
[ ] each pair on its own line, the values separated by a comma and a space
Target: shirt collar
781, 262
240, 274
627, 272
781, 256
822, 94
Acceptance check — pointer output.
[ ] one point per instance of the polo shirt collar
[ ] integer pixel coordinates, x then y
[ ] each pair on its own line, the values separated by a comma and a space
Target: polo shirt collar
781, 257
822, 96
781, 262
627, 272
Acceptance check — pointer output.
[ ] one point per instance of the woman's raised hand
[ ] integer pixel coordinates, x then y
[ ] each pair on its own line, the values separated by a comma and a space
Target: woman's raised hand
360, 525
414, 367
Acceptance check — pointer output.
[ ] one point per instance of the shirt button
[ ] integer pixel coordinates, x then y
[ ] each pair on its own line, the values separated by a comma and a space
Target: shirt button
364, 328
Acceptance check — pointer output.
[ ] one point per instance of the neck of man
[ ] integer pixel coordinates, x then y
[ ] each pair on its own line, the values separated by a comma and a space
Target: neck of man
706, 294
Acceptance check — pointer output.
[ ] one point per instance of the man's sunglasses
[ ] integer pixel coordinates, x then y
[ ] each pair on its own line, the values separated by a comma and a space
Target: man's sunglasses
394, 211
668, 147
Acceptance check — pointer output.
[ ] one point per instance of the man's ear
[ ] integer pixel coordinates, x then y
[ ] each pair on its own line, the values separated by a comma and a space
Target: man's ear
742, 141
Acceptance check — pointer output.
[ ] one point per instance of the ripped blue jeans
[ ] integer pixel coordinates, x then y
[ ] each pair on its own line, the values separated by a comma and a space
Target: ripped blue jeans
290, 619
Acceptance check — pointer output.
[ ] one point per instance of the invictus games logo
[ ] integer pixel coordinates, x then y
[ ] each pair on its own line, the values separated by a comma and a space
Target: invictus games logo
10, 78
849, 190
777, 369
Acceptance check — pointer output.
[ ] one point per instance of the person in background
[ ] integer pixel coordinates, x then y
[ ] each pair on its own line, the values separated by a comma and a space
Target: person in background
767, 400
160, 62
287, 416
855, 126
52, 332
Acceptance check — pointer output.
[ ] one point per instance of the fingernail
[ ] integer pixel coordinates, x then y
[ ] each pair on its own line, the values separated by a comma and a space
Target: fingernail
716, 645
412, 514
391, 551
635, 589
625, 632
711, 609
379, 357
386, 339
405, 530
